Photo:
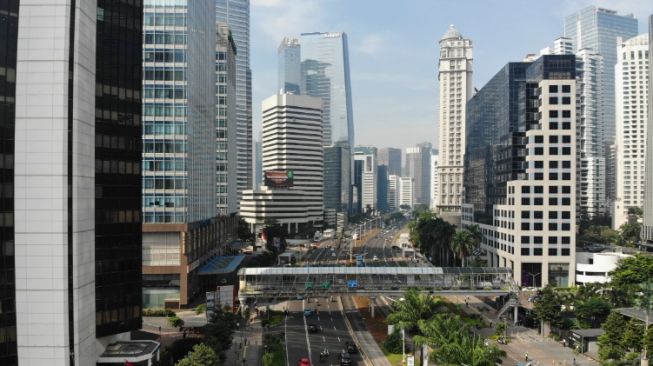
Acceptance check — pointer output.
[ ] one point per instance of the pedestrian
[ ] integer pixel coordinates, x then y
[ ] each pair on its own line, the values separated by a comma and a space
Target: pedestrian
526, 357
574, 362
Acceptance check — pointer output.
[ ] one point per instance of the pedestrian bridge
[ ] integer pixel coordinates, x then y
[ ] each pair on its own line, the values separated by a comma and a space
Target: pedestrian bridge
290, 282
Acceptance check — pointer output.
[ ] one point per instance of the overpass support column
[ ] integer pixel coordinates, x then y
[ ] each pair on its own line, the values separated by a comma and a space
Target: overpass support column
516, 317
372, 306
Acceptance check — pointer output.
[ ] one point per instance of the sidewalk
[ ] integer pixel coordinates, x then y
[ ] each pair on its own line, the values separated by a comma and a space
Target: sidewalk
541, 350
247, 346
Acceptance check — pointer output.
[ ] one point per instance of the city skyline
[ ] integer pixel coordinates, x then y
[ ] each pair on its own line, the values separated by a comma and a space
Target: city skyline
411, 33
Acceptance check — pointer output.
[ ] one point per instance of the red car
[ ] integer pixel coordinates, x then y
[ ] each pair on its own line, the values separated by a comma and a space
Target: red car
304, 362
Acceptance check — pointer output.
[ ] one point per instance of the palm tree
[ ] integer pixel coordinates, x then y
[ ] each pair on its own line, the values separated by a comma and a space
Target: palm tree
463, 244
414, 307
454, 342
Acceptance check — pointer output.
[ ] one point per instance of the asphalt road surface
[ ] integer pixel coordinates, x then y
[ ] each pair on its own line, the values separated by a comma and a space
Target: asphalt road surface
332, 335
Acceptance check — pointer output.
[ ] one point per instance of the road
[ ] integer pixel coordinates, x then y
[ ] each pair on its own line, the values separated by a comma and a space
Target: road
333, 334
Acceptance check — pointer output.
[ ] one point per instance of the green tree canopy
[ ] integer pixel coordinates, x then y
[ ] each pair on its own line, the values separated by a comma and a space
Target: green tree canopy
548, 306
415, 306
202, 355
611, 342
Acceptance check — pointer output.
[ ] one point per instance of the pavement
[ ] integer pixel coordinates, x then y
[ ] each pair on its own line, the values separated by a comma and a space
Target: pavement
541, 350
247, 346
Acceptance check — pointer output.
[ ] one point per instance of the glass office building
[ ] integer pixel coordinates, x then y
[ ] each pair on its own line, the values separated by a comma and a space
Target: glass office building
495, 140
236, 14
290, 66
325, 74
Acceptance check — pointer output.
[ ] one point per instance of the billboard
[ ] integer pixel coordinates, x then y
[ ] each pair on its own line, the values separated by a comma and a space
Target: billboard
279, 178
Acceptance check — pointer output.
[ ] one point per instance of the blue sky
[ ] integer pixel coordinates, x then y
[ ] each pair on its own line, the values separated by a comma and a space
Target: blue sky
393, 50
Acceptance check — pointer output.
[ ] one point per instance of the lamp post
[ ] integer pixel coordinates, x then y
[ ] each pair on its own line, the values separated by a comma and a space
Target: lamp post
645, 303
403, 342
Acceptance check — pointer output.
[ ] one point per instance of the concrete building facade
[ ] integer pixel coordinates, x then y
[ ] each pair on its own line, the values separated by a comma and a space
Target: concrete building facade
455, 85
369, 176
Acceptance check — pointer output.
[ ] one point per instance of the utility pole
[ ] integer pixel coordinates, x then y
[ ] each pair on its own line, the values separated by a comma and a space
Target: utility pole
647, 292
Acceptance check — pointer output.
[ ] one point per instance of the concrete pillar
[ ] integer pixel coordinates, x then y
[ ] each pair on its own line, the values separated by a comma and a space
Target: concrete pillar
516, 316
372, 306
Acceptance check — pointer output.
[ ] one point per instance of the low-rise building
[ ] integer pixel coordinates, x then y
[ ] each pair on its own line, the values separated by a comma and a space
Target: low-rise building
596, 267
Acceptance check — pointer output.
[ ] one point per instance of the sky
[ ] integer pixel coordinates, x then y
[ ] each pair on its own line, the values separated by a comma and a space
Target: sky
393, 51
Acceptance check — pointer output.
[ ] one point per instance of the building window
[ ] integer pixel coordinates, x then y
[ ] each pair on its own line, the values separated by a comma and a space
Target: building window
553, 114
553, 201
525, 201
553, 88
525, 189
553, 240
539, 139
539, 176
539, 151
538, 201
539, 164
553, 189
553, 226
566, 164
525, 226
553, 176
553, 164
553, 139
566, 89
537, 226
566, 100
566, 151
553, 151
553, 100
537, 251
553, 252
553, 126
525, 251
566, 201
537, 240
553, 214
566, 114
565, 240
565, 252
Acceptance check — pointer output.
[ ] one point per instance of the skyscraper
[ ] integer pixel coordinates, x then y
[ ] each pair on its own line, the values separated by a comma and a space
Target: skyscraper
520, 169
597, 29
592, 200
226, 128
292, 148
455, 83
336, 165
632, 97
325, 74
382, 188
181, 229
418, 166
390, 157
406, 191
369, 176
70, 205
393, 192
647, 227
434, 181
290, 66
236, 14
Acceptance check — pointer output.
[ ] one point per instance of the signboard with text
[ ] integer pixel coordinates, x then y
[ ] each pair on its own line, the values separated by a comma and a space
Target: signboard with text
279, 178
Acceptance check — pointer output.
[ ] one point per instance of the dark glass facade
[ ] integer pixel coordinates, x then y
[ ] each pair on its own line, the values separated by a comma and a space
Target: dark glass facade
382, 188
497, 118
117, 167
358, 187
334, 156
8, 44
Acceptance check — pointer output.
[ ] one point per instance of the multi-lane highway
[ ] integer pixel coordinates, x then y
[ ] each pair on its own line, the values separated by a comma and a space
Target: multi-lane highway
327, 313
332, 332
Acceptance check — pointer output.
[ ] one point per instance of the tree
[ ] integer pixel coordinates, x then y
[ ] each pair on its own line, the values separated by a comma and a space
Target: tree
202, 355
244, 233
610, 342
548, 305
433, 237
629, 234
633, 335
592, 311
219, 330
415, 306
629, 275
463, 243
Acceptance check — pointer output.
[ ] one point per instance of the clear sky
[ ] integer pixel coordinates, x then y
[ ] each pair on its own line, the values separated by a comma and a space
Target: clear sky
393, 46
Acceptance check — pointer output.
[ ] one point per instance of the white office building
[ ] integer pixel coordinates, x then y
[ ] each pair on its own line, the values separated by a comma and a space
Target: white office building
455, 83
292, 143
434, 181
596, 267
647, 227
631, 82
406, 191
367, 155
393, 192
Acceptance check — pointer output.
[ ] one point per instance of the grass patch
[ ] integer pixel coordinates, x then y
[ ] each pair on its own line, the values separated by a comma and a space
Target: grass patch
395, 359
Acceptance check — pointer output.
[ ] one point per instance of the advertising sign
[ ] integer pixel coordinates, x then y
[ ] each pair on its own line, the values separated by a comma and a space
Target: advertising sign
210, 304
279, 178
224, 296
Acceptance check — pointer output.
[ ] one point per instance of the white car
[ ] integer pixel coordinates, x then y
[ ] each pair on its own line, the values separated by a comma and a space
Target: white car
375, 258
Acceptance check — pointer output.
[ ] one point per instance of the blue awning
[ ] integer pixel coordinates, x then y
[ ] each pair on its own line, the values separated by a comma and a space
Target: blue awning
221, 265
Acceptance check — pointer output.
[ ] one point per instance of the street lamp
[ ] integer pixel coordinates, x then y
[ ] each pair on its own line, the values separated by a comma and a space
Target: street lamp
403, 341
533, 277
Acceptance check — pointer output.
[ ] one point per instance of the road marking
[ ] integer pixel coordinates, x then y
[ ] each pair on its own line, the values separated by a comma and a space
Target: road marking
334, 328
308, 342
285, 332
338, 339
324, 339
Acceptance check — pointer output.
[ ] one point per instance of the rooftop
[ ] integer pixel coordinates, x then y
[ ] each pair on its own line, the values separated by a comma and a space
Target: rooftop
132, 351
221, 265
452, 33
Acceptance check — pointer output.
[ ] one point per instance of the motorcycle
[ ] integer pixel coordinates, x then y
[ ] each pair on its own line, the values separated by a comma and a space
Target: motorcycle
324, 355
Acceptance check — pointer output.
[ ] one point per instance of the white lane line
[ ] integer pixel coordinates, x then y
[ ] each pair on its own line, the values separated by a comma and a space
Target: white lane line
324, 339
334, 328
338, 339
285, 332
308, 342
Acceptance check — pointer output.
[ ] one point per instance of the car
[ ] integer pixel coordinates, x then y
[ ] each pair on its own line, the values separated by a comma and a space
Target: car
333, 254
375, 258
344, 358
312, 328
351, 347
304, 361
308, 312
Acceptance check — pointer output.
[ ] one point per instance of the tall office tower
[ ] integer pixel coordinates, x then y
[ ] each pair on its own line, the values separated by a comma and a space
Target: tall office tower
357, 189
258, 163
590, 148
632, 98
455, 83
391, 158
368, 197
406, 191
597, 29
226, 129
418, 166
393, 192
382, 188
434, 181
336, 165
181, 229
70, 213
236, 14
289, 66
325, 74
520, 169
293, 165
647, 227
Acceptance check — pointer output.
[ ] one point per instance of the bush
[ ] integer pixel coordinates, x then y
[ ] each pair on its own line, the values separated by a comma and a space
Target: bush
393, 343
175, 322
200, 309
274, 354
158, 312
